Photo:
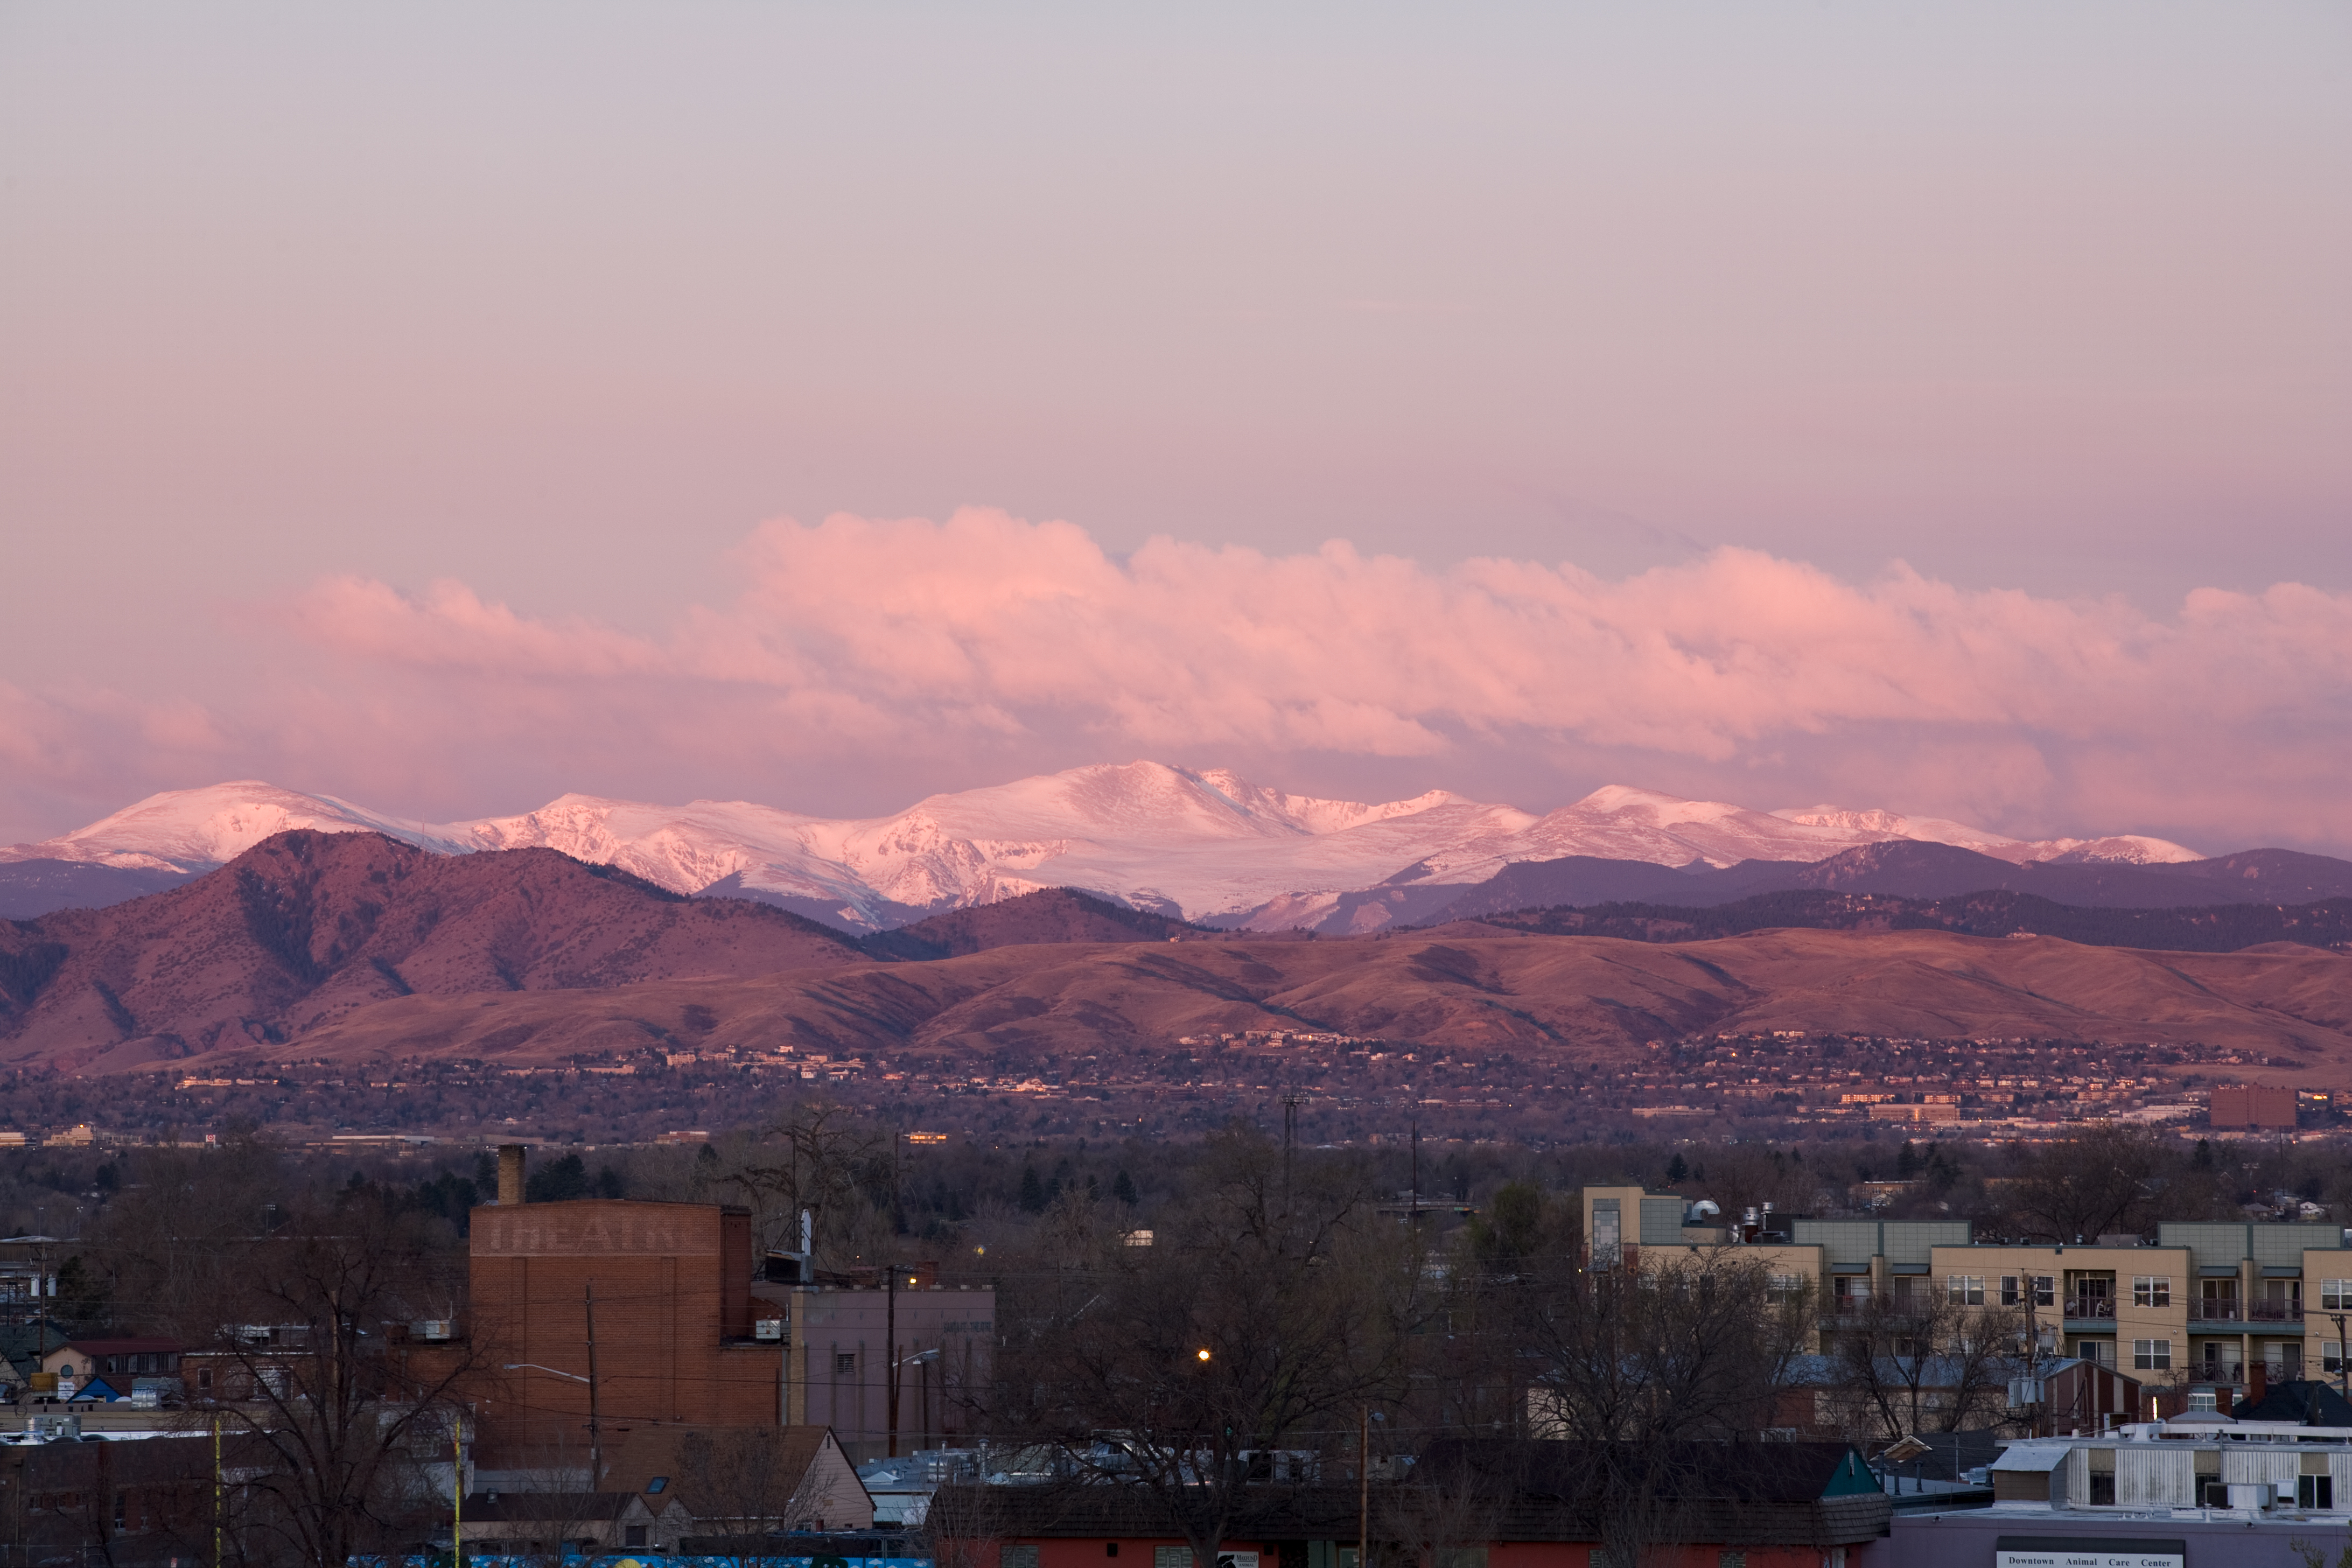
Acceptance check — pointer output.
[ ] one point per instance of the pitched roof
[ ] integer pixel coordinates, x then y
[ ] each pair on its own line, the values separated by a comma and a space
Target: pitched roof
2306, 1400
642, 1453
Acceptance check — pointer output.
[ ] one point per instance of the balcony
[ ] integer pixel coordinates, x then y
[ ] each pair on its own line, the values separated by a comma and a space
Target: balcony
2217, 1309
2275, 1311
2088, 1313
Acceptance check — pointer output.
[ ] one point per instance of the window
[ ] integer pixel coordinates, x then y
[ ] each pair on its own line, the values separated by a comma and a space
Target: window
1853, 1290
2103, 1489
2336, 1295
1731, 1560
1965, 1289
2009, 1296
845, 1364
2315, 1492
1110, 1547
2331, 1355
1606, 1247
2151, 1291
1161, 1557
658, 1485
632, 1535
2045, 1289
1786, 1289
1016, 1557
2152, 1355
2202, 1399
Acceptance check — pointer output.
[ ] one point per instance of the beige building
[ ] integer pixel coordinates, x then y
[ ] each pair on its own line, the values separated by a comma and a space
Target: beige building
2199, 1308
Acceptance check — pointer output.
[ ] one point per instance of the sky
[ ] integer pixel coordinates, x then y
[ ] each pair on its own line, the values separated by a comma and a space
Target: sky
447, 407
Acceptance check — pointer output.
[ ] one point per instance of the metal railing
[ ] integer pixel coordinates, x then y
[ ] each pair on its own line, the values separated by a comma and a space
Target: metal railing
2091, 1307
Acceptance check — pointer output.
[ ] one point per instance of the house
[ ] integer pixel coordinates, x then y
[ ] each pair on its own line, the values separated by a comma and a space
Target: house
119, 1360
532, 1524
742, 1481
1505, 1502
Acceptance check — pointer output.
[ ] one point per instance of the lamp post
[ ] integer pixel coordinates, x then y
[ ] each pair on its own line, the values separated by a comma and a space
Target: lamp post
923, 1413
596, 1435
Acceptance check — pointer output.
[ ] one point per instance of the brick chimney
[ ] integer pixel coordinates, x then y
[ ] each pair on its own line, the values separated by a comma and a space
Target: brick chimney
2258, 1380
511, 1157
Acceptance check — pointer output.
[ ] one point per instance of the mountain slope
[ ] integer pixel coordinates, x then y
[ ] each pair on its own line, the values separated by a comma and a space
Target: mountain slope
307, 926
1463, 987
1054, 915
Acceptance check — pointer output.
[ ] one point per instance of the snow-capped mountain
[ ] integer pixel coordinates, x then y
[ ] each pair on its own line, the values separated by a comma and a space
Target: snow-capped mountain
1196, 842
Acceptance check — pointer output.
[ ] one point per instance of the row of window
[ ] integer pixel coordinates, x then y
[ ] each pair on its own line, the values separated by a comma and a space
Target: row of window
2041, 1289
2317, 1493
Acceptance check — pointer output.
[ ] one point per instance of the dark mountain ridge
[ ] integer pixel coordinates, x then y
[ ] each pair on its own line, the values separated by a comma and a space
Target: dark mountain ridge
307, 926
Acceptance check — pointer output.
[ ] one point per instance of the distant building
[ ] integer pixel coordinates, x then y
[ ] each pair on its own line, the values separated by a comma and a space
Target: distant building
2252, 1106
851, 1341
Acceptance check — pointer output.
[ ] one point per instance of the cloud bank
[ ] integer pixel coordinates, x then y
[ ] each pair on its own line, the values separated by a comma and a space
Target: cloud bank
894, 649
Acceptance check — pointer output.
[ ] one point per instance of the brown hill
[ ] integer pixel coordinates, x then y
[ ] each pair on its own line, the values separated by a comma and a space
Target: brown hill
1048, 915
306, 928
1461, 987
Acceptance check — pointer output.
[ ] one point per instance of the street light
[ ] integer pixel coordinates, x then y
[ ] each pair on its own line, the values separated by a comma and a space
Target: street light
595, 1428
1203, 1353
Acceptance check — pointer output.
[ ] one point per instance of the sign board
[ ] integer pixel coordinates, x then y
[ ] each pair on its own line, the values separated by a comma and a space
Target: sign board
2087, 1551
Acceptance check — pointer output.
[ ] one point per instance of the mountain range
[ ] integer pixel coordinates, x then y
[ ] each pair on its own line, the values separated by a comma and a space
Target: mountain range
1198, 845
361, 947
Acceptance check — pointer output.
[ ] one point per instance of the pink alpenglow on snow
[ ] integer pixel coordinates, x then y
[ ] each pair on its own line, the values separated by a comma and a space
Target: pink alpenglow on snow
857, 656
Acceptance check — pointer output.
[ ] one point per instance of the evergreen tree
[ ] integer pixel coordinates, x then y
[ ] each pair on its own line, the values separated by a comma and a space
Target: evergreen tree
1906, 1163
1033, 1191
1677, 1169
1122, 1187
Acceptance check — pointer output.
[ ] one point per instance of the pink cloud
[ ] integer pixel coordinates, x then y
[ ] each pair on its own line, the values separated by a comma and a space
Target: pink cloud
913, 654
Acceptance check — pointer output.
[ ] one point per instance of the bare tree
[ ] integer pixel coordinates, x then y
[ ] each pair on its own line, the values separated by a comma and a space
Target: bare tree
1920, 1361
1650, 1369
345, 1425
2102, 1180
819, 1158
752, 1480
1264, 1315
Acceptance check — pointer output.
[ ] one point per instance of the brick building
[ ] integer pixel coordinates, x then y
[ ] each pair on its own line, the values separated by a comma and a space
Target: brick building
633, 1313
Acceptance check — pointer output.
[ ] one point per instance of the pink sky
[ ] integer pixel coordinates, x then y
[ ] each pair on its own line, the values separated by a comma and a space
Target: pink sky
1934, 407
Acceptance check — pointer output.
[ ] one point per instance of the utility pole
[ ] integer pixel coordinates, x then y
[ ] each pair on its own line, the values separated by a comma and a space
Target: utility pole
217, 1562
1289, 1139
1364, 1491
457, 1494
595, 1426
890, 1375
1415, 1199
890, 1308
2343, 1361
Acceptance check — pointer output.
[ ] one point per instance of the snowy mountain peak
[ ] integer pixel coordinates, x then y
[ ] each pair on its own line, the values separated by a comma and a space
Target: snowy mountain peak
196, 829
1203, 842
2125, 848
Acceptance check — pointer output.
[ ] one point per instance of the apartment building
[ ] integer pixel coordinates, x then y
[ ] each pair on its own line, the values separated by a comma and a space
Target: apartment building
2197, 1310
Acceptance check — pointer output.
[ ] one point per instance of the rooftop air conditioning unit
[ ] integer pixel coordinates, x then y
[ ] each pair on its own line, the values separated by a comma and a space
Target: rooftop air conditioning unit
768, 1329
432, 1329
